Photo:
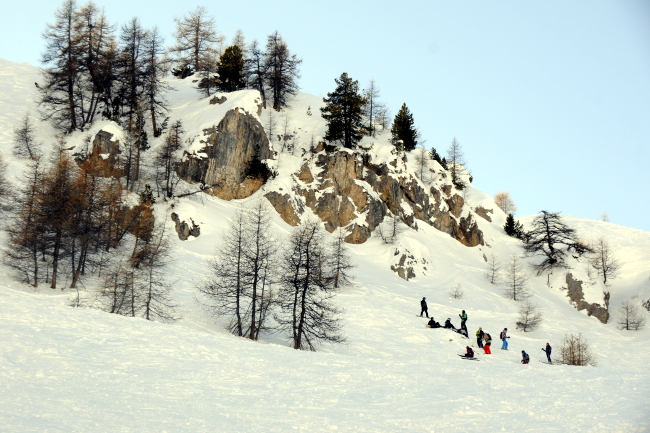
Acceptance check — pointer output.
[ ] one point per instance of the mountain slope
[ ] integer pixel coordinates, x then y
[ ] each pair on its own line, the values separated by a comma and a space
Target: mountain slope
66, 369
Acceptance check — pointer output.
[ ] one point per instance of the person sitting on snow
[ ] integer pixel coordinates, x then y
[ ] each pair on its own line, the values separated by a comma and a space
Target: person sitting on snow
463, 331
469, 353
448, 324
433, 324
524, 357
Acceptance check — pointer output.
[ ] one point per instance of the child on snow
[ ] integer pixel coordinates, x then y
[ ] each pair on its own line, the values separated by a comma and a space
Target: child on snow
524, 357
463, 318
469, 353
448, 324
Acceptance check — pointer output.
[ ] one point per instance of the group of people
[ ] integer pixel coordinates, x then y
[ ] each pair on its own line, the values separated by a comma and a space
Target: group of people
483, 339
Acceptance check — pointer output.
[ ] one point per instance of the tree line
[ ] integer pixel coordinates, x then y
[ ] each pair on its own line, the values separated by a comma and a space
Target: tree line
93, 69
66, 222
253, 280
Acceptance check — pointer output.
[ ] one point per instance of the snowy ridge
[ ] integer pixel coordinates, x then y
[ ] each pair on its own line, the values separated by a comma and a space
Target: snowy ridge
65, 369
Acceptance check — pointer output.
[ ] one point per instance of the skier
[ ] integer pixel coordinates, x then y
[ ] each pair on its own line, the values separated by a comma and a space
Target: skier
524, 357
463, 331
504, 337
488, 343
448, 324
470, 352
548, 353
425, 309
463, 318
479, 337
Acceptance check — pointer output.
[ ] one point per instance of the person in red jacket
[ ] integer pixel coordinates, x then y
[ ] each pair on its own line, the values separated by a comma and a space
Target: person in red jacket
469, 353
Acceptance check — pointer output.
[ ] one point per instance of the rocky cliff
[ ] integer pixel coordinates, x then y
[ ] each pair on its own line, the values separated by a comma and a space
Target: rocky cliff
346, 189
231, 165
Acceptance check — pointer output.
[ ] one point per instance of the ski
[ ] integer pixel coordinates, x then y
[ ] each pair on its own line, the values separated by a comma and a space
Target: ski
470, 359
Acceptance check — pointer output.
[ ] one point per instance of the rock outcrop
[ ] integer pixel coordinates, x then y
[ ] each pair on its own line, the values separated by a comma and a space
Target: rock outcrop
232, 163
184, 229
577, 297
405, 264
345, 189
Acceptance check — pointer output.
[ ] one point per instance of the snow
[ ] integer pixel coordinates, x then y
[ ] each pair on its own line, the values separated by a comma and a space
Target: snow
68, 369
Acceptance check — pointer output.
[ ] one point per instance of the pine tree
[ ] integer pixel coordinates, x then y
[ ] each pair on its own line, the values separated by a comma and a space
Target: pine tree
231, 70
404, 135
513, 228
282, 71
343, 112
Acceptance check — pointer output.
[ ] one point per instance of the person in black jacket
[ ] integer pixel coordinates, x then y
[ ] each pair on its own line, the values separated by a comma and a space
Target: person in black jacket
433, 324
448, 324
525, 359
469, 353
548, 352
425, 309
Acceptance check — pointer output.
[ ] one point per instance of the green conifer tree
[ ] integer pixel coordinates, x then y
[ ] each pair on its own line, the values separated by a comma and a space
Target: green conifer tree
405, 136
344, 112
513, 228
231, 70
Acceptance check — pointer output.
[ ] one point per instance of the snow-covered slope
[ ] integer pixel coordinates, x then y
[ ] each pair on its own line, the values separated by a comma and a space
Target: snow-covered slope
64, 369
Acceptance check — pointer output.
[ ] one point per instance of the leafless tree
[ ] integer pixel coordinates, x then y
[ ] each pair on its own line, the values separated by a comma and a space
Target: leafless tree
605, 217
256, 70
167, 157
155, 291
455, 161
493, 272
515, 280
603, 260
282, 71
307, 312
196, 36
240, 40
551, 238
25, 144
373, 106
575, 351
339, 261
530, 317
457, 291
505, 202
383, 119
259, 264
225, 291
422, 161
630, 317
390, 229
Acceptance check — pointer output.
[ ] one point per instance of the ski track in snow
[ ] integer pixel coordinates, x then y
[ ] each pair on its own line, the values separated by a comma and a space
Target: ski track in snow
77, 370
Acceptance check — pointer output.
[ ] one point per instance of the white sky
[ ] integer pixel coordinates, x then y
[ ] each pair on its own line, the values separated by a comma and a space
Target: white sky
550, 100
